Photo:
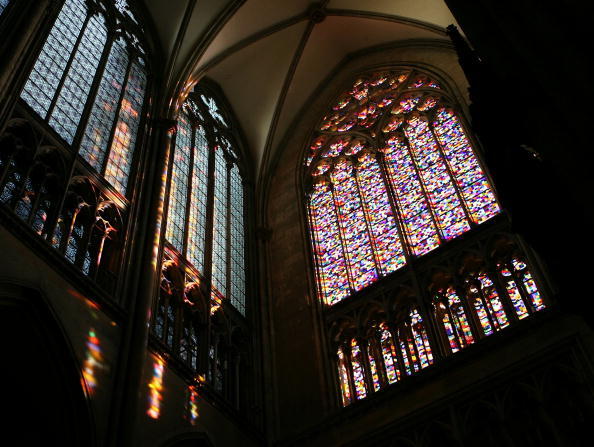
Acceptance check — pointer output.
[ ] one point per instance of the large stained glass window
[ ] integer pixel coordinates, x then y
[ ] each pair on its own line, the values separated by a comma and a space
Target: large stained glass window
89, 84
393, 176
205, 221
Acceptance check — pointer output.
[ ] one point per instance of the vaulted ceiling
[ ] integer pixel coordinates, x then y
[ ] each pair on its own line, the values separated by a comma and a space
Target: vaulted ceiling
270, 55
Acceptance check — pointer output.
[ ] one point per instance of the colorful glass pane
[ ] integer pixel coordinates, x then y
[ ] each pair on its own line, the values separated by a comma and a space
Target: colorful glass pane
358, 374
99, 126
389, 355
344, 379
353, 226
529, 284
413, 206
178, 193
454, 320
471, 180
446, 205
126, 130
384, 229
513, 292
421, 339
374, 368
331, 272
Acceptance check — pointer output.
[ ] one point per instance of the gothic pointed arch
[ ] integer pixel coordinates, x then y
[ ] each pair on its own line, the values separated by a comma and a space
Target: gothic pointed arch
394, 182
203, 321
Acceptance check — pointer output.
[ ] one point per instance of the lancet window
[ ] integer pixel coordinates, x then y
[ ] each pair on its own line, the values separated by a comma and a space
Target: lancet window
204, 238
392, 176
205, 221
89, 85
67, 152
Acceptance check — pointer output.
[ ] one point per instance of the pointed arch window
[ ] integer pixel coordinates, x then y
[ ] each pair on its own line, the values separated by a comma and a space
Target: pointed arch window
204, 238
89, 84
393, 176
205, 222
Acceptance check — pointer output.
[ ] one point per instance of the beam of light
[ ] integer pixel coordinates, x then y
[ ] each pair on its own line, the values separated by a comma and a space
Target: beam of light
93, 362
160, 210
156, 388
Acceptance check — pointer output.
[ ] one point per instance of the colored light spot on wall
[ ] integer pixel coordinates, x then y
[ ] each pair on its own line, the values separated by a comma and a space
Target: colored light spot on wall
93, 362
156, 389
193, 413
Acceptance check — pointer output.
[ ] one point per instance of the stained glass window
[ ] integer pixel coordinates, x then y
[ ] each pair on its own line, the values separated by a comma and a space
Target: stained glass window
197, 223
178, 197
205, 222
343, 375
358, 371
237, 269
89, 88
394, 176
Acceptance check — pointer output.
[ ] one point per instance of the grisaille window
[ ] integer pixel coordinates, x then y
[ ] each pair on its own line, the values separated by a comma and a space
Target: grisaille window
203, 281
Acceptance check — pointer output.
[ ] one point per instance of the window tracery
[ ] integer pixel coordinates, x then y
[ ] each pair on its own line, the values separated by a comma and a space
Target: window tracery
89, 84
403, 176
205, 236
392, 176
80, 108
